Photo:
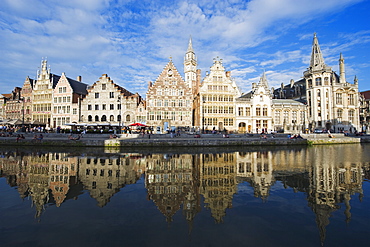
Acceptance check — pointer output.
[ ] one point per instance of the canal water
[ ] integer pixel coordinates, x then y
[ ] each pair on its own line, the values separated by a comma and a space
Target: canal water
266, 196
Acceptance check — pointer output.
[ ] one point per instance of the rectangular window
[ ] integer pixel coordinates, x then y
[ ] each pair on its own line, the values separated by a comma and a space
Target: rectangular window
96, 95
240, 111
89, 108
264, 112
277, 117
103, 86
248, 111
111, 95
258, 111
111, 106
286, 116
338, 99
351, 100
74, 111
96, 107
258, 124
264, 124
104, 107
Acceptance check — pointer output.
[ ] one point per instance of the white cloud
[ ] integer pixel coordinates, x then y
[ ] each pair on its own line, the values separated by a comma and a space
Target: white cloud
132, 40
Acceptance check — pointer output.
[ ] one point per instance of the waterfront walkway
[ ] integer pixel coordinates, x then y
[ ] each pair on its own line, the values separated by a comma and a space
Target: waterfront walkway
184, 140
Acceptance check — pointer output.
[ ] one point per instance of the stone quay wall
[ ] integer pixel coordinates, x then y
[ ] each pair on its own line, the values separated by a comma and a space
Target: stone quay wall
166, 140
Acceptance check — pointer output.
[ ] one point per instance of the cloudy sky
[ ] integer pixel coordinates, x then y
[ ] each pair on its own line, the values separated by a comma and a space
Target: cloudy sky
132, 40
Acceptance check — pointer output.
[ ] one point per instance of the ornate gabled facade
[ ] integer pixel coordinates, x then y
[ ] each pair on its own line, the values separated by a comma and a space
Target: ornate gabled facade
42, 96
258, 112
215, 102
253, 110
13, 107
27, 100
169, 101
107, 104
67, 97
333, 103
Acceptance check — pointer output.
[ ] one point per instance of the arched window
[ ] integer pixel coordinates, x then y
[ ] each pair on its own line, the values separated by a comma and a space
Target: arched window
89, 118
104, 118
111, 118
119, 118
96, 118
128, 118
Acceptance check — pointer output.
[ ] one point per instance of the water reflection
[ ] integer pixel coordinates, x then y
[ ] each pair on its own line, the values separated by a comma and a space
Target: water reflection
328, 175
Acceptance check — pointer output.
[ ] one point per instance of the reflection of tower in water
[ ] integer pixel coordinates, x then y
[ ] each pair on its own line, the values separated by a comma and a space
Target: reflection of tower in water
332, 181
38, 180
218, 182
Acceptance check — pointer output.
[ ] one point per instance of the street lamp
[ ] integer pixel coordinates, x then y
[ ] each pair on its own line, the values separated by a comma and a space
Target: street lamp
120, 114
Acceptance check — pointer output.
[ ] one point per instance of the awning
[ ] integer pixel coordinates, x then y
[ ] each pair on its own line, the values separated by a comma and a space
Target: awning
138, 124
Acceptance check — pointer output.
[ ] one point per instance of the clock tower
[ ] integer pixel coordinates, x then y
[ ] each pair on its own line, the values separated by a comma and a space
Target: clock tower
190, 66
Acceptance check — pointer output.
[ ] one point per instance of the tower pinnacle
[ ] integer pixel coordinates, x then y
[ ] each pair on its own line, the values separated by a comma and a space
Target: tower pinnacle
317, 60
190, 45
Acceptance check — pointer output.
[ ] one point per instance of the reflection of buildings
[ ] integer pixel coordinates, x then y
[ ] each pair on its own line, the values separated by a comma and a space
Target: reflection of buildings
105, 176
333, 181
63, 174
170, 183
256, 167
329, 175
218, 182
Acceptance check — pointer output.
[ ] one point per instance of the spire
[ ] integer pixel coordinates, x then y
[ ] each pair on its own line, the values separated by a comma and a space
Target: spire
190, 45
317, 60
263, 80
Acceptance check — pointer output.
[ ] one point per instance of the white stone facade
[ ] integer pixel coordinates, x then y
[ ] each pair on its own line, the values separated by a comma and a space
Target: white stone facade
169, 101
107, 104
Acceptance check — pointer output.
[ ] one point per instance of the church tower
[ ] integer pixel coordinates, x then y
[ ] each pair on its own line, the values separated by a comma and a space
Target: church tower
319, 79
190, 66
331, 100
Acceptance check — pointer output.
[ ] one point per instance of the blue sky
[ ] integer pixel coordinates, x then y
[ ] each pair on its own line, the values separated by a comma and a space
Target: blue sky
132, 41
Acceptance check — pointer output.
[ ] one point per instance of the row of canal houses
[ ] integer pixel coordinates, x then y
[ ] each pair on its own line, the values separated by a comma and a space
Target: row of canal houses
320, 100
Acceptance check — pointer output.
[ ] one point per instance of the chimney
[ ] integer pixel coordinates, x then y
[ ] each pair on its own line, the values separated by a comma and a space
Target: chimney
79, 78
